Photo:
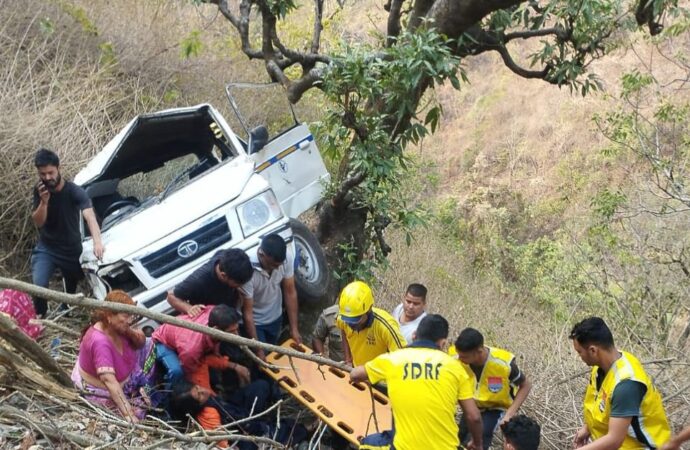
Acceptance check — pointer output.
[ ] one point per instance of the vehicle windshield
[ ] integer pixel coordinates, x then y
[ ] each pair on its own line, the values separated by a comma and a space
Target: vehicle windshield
165, 179
160, 154
257, 105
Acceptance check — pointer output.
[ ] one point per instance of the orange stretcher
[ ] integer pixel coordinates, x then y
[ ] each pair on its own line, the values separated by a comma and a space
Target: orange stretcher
351, 409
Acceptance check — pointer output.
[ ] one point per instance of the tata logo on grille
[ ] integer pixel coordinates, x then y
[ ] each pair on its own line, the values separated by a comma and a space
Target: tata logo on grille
187, 248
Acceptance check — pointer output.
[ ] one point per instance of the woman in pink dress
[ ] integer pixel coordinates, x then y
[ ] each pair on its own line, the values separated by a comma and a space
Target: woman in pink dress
112, 358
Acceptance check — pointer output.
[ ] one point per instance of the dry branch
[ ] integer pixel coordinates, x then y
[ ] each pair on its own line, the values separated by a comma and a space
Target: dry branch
11, 360
29, 348
586, 371
56, 326
47, 429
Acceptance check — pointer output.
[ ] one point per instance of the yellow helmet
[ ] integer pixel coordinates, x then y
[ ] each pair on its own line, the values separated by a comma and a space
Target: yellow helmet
356, 299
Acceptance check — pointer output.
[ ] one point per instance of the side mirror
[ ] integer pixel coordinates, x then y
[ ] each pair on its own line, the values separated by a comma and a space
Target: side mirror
258, 138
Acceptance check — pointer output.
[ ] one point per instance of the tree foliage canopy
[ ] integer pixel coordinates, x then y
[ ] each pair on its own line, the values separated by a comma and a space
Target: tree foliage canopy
376, 91
571, 33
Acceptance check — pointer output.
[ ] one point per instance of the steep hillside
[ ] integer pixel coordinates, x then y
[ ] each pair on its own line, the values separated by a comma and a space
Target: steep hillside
528, 230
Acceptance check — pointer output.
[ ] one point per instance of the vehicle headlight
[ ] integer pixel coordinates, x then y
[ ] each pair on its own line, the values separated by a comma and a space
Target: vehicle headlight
258, 212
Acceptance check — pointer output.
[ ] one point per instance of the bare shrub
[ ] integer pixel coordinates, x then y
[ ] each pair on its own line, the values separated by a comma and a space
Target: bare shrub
55, 92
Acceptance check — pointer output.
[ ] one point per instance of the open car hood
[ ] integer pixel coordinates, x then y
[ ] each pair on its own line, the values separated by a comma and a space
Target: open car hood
149, 141
176, 211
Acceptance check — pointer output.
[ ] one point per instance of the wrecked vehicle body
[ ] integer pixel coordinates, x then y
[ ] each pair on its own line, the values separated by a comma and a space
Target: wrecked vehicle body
173, 187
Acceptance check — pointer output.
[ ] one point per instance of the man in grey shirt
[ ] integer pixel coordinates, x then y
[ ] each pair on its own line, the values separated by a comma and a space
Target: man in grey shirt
262, 295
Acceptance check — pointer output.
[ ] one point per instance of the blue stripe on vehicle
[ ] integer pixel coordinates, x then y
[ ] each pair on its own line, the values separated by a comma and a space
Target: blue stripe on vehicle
269, 162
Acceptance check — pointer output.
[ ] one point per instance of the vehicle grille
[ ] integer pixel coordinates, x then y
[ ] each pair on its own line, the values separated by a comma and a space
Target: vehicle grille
207, 238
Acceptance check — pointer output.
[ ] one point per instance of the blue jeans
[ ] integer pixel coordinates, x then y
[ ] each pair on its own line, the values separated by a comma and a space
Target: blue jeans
170, 362
378, 441
270, 332
490, 420
43, 266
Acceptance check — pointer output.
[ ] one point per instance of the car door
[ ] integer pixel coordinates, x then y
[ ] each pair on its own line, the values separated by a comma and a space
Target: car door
283, 149
293, 166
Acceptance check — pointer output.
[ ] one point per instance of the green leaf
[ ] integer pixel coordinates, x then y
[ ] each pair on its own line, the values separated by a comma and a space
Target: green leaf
191, 45
46, 26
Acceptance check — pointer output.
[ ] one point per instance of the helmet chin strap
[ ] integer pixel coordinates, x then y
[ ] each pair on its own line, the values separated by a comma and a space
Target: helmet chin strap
365, 325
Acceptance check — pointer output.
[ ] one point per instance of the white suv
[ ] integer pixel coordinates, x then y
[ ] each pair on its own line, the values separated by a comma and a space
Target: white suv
175, 186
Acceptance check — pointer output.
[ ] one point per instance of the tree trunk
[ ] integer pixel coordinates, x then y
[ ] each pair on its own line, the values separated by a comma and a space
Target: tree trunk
340, 224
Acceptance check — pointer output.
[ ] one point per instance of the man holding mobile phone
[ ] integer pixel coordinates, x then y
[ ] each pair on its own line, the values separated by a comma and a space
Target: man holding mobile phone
57, 205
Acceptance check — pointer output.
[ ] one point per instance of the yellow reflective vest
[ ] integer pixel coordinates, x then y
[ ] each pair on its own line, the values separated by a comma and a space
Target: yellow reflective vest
648, 430
493, 389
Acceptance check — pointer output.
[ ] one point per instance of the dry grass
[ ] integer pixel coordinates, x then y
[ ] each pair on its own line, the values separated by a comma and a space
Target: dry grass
505, 135
147, 38
534, 138
54, 93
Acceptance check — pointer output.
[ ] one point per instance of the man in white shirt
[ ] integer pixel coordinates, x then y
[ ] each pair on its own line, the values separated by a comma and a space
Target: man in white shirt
411, 311
262, 296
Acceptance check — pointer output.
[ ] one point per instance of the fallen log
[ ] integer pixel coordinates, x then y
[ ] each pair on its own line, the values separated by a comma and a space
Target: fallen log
10, 332
20, 367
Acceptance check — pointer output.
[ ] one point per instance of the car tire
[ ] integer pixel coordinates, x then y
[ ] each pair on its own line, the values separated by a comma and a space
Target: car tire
311, 269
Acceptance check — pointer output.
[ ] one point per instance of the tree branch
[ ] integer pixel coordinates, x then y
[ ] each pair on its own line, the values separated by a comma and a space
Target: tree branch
559, 32
455, 17
309, 80
394, 12
28, 347
318, 26
420, 10
241, 24
47, 429
508, 61
346, 187
379, 226
644, 15
225, 10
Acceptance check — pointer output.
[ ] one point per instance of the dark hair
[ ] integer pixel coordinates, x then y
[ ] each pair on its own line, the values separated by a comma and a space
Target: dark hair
592, 330
236, 265
417, 290
432, 328
45, 157
468, 340
274, 246
522, 432
222, 317
182, 402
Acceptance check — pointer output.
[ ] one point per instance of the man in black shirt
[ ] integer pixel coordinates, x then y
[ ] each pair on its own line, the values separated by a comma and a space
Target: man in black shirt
57, 206
214, 283
521, 433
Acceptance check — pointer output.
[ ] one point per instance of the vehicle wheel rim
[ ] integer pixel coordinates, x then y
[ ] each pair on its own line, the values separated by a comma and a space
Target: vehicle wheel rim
306, 261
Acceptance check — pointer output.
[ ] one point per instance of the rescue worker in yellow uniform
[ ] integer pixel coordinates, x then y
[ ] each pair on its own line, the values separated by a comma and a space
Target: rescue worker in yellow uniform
367, 331
425, 385
499, 385
622, 408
